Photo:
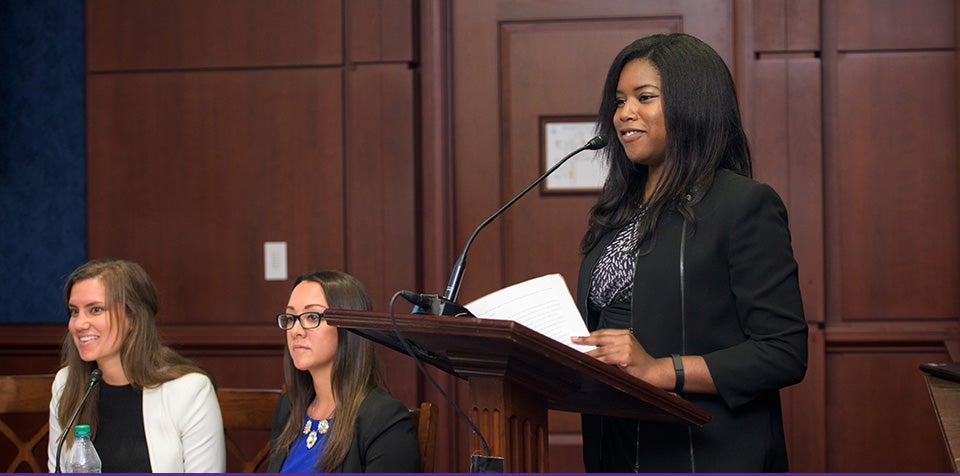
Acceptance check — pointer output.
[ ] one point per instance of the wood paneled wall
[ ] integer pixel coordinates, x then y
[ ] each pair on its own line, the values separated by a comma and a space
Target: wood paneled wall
374, 136
890, 214
778, 69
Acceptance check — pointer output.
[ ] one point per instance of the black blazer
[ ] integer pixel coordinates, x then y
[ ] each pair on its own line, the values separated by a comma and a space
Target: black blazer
384, 440
741, 311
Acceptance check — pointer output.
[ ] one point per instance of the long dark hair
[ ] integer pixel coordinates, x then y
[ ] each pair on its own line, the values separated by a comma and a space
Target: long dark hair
704, 134
356, 371
146, 361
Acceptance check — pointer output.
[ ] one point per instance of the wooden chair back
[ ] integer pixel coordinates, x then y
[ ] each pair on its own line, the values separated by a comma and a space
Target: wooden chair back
25, 395
425, 421
247, 413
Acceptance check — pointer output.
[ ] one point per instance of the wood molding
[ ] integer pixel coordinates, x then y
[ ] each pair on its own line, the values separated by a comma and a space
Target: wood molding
18, 338
885, 335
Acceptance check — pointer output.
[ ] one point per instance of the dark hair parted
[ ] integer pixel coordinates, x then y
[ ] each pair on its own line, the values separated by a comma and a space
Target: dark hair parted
146, 361
356, 371
704, 134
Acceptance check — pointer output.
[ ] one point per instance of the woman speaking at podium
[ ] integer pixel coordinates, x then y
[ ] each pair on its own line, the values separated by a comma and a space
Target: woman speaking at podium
688, 279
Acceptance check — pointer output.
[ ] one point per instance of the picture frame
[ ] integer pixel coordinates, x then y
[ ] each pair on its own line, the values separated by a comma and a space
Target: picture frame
560, 135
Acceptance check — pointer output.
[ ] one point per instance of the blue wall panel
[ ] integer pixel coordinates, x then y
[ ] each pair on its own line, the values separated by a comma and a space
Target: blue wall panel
43, 231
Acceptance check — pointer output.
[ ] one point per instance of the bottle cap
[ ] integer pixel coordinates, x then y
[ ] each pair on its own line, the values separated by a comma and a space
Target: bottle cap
80, 431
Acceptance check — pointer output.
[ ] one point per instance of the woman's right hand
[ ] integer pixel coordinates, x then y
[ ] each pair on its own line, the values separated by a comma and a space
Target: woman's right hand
619, 347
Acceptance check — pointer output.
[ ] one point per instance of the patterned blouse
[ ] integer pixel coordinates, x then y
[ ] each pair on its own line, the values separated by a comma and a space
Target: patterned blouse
612, 279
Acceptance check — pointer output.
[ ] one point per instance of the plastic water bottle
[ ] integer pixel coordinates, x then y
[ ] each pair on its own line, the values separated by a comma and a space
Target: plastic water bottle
83, 457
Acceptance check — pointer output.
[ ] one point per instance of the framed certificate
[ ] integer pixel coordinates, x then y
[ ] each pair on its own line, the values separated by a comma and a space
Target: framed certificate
583, 173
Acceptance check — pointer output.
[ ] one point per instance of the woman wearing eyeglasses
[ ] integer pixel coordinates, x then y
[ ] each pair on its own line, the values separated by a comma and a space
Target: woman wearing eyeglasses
335, 416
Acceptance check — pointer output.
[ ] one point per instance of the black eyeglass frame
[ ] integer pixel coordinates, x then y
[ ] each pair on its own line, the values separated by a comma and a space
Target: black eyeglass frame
294, 318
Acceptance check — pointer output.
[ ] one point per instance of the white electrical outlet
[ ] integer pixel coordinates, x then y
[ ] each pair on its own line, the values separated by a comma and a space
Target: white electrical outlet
275, 260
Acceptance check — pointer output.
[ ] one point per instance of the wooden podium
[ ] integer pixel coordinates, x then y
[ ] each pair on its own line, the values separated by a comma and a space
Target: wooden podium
515, 375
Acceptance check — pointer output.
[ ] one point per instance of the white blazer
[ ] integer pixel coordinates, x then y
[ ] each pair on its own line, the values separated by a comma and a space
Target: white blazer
181, 420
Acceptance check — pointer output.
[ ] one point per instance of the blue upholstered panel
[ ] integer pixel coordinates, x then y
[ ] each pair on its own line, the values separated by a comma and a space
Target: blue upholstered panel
43, 231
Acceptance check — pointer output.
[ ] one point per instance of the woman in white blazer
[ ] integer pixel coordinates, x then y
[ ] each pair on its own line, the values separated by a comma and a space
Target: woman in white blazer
153, 410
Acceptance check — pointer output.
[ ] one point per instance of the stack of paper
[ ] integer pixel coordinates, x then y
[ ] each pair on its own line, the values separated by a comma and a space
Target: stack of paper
541, 304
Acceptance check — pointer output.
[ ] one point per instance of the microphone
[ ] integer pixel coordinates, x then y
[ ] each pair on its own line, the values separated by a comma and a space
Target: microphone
95, 377
445, 305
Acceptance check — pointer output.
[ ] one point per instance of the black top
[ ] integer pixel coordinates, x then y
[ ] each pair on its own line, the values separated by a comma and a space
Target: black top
121, 441
384, 440
739, 308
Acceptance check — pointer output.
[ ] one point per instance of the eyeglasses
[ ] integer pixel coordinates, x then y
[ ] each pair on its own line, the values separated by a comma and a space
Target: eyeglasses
308, 320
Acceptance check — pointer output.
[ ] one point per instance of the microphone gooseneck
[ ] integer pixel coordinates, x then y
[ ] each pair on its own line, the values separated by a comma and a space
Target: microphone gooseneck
456, 276
95, 377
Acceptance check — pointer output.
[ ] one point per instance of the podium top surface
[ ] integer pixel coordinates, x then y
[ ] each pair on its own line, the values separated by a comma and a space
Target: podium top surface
567, 379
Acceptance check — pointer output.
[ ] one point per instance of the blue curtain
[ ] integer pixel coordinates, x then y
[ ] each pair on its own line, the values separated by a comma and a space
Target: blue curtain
43, 230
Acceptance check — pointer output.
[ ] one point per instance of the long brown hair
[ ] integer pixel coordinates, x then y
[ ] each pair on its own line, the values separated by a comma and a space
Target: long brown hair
146, 361
356, 371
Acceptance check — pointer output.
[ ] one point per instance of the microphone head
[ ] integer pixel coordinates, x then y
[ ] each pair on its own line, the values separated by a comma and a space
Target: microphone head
597, 143
95, 376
